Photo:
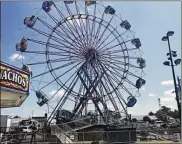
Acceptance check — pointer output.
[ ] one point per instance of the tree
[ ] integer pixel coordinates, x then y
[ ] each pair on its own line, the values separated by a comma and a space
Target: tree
134, 120
164, 112
161, 116
146, 118
151, 113
16, 116
165, 109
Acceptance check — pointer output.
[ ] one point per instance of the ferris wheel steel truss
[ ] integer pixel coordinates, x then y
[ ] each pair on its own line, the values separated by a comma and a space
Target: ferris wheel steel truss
101, 68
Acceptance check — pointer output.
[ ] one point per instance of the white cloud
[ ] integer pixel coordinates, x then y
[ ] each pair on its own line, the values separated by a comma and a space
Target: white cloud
168, 99
73, 22
16, 56
59, 93
152, 95
169, 92
167, 82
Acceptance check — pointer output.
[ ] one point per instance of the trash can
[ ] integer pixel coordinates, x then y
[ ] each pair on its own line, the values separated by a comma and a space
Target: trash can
176, 137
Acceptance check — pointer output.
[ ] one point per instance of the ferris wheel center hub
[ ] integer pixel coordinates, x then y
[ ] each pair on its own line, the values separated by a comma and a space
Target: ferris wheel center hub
91, 55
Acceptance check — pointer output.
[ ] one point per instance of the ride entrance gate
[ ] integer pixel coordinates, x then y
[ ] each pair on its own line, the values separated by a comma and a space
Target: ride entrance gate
14, 84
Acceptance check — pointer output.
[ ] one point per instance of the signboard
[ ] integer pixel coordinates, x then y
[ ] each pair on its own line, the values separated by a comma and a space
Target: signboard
14, 84
14, 79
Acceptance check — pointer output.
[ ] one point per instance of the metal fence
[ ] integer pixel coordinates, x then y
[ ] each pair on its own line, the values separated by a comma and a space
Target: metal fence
64, 135
123, 137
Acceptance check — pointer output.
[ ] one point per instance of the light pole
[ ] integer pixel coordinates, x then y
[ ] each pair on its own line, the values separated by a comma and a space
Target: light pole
172, 54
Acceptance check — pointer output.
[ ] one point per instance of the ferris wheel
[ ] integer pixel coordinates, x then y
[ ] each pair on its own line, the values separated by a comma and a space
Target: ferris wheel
89, 52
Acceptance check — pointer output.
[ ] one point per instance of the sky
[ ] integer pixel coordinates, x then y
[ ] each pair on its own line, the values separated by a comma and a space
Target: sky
150, 21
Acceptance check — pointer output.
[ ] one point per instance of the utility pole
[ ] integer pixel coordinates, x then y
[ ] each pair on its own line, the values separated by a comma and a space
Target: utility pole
172, 54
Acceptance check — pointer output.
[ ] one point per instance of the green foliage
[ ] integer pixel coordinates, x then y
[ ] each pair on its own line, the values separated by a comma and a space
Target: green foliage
146, 118
16, 116
166, 111
151, 113
134, 120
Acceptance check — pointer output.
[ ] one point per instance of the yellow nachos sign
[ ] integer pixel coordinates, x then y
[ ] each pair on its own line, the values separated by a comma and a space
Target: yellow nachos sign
14, 84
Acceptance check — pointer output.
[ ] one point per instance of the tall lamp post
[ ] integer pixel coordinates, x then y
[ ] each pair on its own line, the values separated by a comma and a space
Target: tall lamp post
172, 54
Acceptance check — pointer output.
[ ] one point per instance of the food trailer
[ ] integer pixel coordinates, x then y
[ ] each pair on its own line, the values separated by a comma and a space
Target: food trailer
14, 83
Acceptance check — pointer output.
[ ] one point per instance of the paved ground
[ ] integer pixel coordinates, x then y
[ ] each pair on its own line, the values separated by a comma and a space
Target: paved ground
157, 142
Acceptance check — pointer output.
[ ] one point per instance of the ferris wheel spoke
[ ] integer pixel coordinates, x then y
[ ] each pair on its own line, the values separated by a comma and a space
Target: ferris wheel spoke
31, 58
121, 85
118, 94
81, 23
111, 60
78, 13
111, 98
122, 63
109, 94
57, 68
116, 73
72, 85
114, 56
119, 44
60, 34
118, 68
40, 32
52, 61
56, 93
73, 51
126, 71
118, 57
105, 29
120, 50
71, 44
53, 18
61, 76
53, 45
66, 39
70, 26
57, 22
87, 23
88, 32
106, 89
47, 53
91, 40
111, 79
98, 30
111, 33
63, 99
66, 31
41, 78
66, 34
75, 23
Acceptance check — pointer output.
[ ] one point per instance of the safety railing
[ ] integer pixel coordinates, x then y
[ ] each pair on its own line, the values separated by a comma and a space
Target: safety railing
127, 136
61, 135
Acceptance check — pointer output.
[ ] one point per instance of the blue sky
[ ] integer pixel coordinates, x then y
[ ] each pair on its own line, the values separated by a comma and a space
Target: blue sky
150, 21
